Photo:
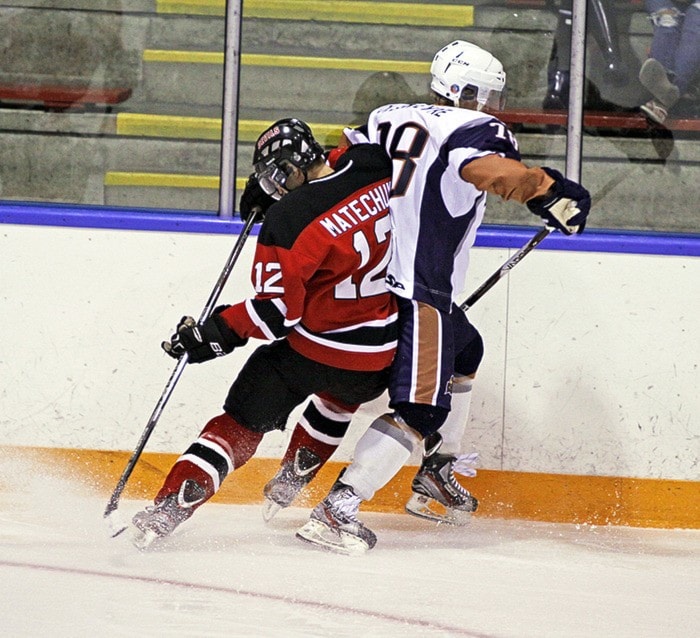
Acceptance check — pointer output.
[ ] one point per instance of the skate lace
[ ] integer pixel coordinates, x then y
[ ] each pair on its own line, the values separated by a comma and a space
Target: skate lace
284, 486
158, 519
465, 464
346, 506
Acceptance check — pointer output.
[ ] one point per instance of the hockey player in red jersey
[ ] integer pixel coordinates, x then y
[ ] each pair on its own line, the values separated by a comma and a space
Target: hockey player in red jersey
318, 275
446, 156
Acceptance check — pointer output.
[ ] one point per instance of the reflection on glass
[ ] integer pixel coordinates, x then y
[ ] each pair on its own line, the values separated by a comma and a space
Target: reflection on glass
118, 102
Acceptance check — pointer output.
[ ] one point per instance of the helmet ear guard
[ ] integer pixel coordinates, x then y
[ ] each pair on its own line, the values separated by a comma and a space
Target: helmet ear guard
469, 93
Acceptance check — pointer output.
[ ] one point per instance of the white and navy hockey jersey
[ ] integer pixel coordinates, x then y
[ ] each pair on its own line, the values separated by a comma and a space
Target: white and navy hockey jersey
434, 212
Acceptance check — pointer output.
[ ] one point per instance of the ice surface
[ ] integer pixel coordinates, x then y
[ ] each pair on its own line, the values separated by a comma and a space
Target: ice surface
226, 573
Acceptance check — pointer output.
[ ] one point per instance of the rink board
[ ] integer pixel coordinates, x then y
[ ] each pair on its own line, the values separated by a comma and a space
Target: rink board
585, 408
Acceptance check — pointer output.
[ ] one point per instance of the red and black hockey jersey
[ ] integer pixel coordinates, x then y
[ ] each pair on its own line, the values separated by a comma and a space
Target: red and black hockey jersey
320, 264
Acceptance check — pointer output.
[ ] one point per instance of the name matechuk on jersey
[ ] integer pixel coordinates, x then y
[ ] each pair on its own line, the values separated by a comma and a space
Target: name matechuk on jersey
359, 209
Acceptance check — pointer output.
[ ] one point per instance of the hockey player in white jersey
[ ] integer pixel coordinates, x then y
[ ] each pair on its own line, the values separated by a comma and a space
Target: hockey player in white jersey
446, 157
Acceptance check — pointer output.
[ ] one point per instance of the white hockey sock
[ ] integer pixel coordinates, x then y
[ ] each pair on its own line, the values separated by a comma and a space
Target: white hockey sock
379, 454
452, 430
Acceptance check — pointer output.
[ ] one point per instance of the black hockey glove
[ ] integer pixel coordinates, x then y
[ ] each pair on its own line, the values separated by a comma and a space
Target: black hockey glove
205, 341
254, 200
565, 206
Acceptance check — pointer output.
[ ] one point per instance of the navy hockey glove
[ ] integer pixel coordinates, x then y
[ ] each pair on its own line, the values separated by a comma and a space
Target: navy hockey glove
205, 341
254, 200
565, 206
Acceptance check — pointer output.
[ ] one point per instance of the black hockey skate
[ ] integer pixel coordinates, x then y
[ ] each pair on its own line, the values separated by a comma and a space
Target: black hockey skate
290, 479
334, 525
437, 495
159, 521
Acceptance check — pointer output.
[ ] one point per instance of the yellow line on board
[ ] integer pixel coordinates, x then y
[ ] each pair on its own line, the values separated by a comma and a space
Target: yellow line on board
192, 7
558, 498
288, 61
249, 130
207, 128
326, 134
191, 57
349, 64
170, 180
166, 180
444, 15
149, 125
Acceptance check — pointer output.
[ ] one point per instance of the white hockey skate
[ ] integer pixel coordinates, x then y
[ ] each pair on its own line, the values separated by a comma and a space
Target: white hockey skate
290, 479
334, 525
437, 495
159, 521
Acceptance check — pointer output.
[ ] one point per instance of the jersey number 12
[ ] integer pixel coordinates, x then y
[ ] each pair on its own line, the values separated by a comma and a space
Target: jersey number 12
367, 282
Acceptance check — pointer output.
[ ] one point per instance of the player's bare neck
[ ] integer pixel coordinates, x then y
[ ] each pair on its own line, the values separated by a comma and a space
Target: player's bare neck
319, 170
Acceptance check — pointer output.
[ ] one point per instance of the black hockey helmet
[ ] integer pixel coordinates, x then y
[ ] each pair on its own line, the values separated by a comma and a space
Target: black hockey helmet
287, 141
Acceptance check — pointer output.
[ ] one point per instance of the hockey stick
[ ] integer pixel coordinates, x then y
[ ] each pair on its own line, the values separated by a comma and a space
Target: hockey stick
504, 269
115, 525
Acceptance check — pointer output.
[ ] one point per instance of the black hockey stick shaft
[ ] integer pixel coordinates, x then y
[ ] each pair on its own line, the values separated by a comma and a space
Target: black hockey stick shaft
113, 503
504, 269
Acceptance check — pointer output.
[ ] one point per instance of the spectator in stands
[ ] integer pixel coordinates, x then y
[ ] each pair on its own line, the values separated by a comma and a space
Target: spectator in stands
674, 58
604, 29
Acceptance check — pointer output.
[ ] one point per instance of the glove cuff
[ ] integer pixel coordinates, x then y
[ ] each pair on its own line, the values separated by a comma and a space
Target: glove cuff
233, 340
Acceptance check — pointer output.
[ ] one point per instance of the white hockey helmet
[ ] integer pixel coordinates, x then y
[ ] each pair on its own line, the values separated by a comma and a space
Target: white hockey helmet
464, 71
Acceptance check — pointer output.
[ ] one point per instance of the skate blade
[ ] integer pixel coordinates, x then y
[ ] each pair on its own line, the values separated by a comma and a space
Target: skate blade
143, 539
430, 509
270, 509
319, 534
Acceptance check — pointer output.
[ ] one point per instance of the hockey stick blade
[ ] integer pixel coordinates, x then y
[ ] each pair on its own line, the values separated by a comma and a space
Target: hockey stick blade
115, 523
505, 269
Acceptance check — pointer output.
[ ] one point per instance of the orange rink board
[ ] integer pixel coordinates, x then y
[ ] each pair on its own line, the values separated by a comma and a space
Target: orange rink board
560, 498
